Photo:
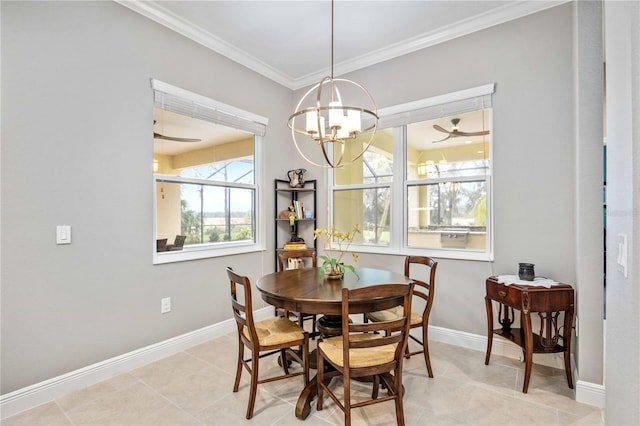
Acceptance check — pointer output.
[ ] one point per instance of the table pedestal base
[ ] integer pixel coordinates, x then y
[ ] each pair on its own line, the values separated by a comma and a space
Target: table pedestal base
329, 325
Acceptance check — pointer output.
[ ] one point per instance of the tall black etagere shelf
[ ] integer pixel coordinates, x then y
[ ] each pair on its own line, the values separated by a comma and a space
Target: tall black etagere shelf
303, 227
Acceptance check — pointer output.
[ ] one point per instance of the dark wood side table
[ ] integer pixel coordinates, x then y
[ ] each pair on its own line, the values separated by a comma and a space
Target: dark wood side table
547, 303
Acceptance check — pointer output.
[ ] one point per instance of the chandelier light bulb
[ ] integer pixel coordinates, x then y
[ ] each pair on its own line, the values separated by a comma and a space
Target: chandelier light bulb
354, 124
336, 114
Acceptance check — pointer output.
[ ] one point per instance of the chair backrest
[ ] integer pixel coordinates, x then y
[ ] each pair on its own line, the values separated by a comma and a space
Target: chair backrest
284, 256
179, 241
161, 244
391, 332
241, 304
424, 290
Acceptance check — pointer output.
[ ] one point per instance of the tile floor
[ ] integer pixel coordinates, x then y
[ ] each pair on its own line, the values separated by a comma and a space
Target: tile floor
194, 387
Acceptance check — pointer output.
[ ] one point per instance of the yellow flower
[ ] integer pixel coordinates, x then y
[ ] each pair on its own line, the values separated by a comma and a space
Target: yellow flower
336, 245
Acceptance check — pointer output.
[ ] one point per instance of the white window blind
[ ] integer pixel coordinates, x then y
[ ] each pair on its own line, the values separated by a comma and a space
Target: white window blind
438, 106
180, 101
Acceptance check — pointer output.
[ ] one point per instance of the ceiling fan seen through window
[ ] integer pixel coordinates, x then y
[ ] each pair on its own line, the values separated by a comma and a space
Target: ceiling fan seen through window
455, 131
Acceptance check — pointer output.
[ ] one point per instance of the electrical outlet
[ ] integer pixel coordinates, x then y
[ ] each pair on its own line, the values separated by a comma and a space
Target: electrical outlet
165, 305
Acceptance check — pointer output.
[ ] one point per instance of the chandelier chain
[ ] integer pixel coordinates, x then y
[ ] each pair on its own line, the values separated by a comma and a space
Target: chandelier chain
331, 39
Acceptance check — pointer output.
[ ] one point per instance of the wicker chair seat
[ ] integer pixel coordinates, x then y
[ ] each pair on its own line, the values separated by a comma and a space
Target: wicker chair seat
275, 331
359, 357
393, 313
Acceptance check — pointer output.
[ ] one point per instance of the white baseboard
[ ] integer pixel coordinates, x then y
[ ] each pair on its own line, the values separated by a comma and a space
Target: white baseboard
498, 347
585, 392
590, 393
48, 390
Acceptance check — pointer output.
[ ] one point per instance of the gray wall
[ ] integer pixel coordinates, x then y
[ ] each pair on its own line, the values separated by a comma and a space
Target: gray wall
533, 147
76, 150
622, 34
76, 115
589, 240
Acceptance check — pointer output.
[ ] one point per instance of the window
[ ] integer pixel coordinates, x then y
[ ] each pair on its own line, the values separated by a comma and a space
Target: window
434, 199
205, 172
362, 191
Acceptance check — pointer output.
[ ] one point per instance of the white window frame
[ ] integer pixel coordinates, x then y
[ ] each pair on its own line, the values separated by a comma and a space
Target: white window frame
397, 117
232, 117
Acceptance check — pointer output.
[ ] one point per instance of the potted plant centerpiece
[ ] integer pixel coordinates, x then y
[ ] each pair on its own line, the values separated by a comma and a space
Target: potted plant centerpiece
336, 244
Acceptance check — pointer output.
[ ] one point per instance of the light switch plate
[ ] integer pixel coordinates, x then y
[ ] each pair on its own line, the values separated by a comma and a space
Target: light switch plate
63, 234
165, 305
622, 254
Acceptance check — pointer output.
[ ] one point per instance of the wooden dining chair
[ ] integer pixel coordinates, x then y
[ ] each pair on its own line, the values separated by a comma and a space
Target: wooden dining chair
268, 337
367, 349
423, 290
283, 260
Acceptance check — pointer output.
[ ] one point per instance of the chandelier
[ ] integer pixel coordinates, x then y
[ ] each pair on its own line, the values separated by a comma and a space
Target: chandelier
330, 122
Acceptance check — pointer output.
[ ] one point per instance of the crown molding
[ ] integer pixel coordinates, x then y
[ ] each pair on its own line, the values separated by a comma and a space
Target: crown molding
154, 11
509, 11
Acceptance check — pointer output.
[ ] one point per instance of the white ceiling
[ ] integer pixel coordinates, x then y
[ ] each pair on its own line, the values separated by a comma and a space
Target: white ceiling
290, 41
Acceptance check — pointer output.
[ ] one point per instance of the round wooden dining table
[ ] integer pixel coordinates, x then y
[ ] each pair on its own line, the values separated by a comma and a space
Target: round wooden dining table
305, 290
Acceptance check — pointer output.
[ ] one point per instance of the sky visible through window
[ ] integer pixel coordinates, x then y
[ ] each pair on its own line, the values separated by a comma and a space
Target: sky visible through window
239, 171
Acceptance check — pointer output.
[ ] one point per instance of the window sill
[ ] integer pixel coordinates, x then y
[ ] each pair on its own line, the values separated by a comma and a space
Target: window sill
202, 253
450, 254
420, 251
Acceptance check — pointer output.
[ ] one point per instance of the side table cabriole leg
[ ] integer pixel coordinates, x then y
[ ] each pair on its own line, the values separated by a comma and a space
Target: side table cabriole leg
489, 307
566, 342
528, 349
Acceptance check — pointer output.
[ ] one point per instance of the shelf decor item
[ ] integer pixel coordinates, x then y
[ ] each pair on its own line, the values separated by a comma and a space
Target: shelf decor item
296, 178
336, 244
295, 245
294, 222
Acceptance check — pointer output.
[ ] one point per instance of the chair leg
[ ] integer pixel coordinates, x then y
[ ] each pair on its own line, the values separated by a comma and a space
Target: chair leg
239, 367
254, 383
399, 409
313, 326
285, 362
376, 387
347, 398
399, 395
425, 349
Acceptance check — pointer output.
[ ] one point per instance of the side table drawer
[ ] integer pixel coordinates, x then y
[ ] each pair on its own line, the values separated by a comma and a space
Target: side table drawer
504, 294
